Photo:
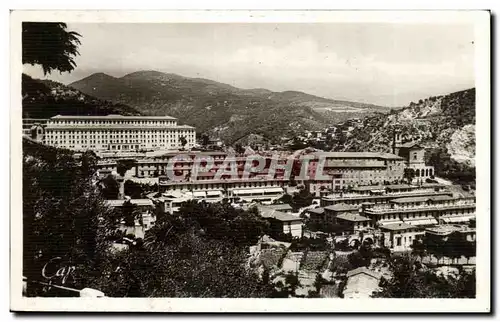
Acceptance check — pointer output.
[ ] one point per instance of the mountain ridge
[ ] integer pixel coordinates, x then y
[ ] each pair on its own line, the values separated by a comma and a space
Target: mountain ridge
46, 98
222, 110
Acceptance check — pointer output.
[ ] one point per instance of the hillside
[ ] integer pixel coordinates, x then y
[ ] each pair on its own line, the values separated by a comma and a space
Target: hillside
45, 98
219, 109
445, 125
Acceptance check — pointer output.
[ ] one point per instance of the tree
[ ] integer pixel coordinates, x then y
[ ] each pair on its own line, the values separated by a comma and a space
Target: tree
301, 199
412, 280
49, 45
205, 140
224, 222
192, 266
359, 259
64, 214
110, 187
123, 165
134, 190
239, 148
183, 141
287, 285
409, 174
130, 213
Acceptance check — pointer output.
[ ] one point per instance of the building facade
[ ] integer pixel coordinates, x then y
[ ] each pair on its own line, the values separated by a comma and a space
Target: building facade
118, 133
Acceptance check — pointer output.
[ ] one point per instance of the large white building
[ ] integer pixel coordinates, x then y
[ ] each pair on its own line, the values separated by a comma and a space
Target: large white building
118, 133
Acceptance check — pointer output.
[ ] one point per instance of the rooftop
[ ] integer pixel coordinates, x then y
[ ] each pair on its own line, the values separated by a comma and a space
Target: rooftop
397, 226
116, 127
448, 229
352, 217
368, 188
410, 145
278, 215
137, 202
318, 211
111, 117
368, 155
364, 270
341, 207
284, 206
423, 199
401, 186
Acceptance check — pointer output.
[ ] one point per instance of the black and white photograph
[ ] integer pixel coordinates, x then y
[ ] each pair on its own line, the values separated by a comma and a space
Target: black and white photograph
323, 159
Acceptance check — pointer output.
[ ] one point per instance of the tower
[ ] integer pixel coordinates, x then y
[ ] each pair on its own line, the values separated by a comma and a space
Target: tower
396, 141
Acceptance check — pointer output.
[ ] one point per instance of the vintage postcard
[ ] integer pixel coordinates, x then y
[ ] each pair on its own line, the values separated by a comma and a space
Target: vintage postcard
250, 161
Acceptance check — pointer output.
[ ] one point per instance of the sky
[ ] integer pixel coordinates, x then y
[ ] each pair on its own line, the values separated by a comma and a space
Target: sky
385, 64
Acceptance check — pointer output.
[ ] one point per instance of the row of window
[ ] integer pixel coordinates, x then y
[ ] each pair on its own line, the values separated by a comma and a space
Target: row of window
104, 123
222, 186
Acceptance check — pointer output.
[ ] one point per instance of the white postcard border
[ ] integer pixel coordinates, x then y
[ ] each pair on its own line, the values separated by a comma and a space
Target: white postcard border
481, 21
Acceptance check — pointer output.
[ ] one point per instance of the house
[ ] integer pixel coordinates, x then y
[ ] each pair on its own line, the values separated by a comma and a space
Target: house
145, 208
399, 237
316, 215
413, 153
353, 223
443, 232
332, 211
282, 222
361, 283
280, 207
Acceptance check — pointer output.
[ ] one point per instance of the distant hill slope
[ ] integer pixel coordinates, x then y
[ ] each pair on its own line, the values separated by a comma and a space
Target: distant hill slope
229, 112
45, 98
444, 124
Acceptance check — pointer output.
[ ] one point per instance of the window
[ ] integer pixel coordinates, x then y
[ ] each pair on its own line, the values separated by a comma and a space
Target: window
398, 241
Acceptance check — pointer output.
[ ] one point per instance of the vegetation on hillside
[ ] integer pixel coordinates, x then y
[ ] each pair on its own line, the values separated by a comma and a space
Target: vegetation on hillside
412, 280
201, 252
219, 109
432, 122
45, 99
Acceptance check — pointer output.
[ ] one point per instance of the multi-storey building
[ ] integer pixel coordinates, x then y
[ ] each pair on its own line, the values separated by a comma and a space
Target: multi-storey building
350, 169
30, 123
423, 211
413, 153
381, 194
118, 133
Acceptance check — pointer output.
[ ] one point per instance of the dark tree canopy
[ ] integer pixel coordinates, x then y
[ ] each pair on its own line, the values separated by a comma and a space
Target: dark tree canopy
50, 45
63, 214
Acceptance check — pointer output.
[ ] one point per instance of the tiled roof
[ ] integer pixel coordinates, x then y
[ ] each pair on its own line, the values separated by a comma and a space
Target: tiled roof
278, 215
364, 270
423, 199
410, 145
318, 211
352, 217
411, 199
341, 207
279, 207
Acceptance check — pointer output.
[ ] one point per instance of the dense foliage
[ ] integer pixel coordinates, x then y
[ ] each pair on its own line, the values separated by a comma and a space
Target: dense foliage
412, 280
64, 214
50, 45
201, 252
433, 122
45, 99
